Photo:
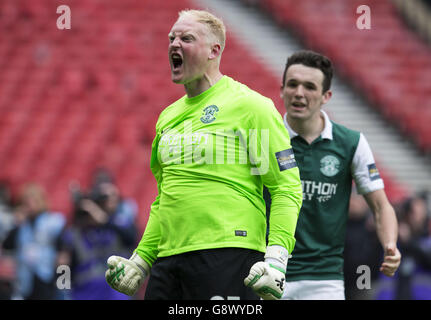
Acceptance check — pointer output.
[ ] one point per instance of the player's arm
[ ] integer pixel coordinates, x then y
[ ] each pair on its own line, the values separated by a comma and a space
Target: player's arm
386, 228
370, 185
147, 248
127, 275
281, 176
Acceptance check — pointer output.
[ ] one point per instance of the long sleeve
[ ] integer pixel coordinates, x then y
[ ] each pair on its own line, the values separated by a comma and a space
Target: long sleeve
147, 248
280, 175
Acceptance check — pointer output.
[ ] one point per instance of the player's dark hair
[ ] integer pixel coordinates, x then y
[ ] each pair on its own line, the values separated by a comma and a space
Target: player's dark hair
314, 60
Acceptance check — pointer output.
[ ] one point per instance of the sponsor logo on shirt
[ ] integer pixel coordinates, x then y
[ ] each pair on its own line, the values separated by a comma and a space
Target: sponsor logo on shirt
209, 113
321, 191
286, 159
373, 172
329, 165
240, 146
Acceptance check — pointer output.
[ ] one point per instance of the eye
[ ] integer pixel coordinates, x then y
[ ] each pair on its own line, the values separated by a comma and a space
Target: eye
187, 38
292, 84
310, 86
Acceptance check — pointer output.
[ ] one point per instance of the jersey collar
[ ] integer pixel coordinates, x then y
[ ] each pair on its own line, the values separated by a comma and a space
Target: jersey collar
326, 133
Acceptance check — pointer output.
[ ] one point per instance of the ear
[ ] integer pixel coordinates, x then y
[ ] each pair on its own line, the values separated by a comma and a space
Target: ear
215, 51
326, 96
281, 91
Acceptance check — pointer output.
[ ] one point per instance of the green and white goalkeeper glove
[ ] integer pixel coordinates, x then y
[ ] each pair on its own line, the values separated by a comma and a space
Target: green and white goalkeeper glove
126, 275
267, 277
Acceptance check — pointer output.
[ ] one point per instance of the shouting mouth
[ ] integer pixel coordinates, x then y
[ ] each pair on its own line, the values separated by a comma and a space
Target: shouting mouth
177, 61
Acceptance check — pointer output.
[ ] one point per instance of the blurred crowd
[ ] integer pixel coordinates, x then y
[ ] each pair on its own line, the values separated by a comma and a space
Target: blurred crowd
35, 241
413, 278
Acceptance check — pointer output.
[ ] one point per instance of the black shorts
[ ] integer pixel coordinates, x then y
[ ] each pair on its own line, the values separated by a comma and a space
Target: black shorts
203, 275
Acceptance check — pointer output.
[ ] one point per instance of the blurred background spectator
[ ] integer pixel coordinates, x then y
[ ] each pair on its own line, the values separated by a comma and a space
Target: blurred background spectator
6, 210
33, 242
362, 247
7, 263
103, 225
413, 279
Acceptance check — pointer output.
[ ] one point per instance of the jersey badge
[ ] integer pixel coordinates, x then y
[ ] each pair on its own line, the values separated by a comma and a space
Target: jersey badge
209, 113
329, 165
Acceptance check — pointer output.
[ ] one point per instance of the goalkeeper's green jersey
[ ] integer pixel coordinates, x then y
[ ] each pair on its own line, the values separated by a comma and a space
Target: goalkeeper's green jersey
211, 156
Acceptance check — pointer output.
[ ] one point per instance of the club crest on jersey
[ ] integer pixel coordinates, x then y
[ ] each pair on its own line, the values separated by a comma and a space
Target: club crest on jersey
209, 114
329, 165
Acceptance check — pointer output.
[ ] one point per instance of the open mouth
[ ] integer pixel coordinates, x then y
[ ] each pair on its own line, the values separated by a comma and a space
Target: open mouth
298, 104
177, 61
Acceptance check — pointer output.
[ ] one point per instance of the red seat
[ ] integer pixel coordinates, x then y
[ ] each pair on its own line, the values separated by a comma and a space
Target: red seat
72, 103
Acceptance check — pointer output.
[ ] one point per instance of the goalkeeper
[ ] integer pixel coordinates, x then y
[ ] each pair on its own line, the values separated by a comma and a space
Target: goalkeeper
214, 150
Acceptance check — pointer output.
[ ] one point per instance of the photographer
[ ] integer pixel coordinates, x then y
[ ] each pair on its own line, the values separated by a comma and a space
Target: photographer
103, 222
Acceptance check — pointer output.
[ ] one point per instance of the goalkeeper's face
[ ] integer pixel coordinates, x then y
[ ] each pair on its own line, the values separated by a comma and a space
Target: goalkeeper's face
189, 50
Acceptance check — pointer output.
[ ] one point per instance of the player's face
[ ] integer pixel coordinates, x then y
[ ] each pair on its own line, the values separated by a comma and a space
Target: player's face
189, 50
302, 92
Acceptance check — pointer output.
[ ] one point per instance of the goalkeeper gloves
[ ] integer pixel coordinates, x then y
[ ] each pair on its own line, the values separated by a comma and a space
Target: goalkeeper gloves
267, 277
126, 275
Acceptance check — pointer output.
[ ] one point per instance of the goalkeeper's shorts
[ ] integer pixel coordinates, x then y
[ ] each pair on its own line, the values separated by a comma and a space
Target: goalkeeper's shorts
203, 275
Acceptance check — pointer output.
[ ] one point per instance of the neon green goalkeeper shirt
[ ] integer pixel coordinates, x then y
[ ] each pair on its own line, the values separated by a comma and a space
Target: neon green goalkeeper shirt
211, 156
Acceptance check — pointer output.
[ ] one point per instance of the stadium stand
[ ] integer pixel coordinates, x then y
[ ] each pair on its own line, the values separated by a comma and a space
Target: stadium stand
75, 100
390, 65
417, 14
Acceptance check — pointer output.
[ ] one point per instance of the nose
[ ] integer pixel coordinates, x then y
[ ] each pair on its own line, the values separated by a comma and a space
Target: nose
299, 92
175, 43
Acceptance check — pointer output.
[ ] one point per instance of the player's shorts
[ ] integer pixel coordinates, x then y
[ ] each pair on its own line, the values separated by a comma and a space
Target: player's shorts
314, 290
203, 275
